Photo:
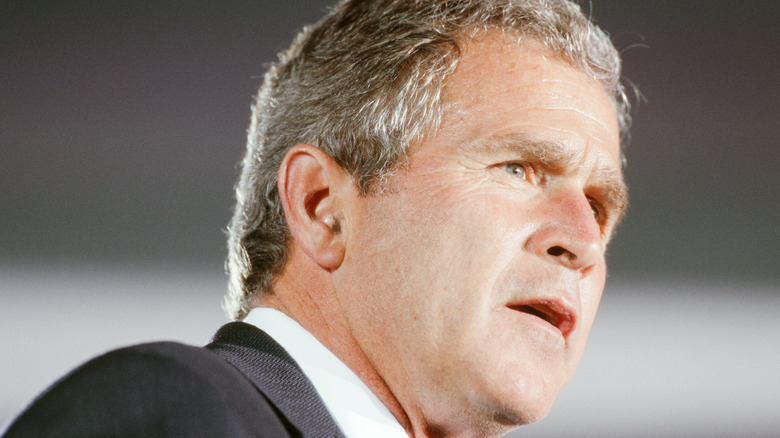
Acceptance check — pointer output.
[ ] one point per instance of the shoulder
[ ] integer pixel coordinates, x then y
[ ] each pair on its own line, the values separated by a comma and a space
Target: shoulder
159, 389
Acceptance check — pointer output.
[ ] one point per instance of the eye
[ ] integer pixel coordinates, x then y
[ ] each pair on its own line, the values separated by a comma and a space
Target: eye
599, 212
519, 170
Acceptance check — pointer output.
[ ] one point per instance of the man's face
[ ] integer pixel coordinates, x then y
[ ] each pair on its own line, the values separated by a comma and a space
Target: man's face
472, 282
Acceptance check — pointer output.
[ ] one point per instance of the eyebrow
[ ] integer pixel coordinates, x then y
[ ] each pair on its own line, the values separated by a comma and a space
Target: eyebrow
550, 154
614, 193
558, 157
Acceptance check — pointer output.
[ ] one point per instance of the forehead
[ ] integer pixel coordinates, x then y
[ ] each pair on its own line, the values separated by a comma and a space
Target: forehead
513, 86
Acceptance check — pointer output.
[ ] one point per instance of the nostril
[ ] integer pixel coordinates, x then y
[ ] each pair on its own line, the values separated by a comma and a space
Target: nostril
556, 251
562, 253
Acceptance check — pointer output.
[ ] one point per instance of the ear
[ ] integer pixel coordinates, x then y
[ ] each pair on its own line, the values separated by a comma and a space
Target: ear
310, 183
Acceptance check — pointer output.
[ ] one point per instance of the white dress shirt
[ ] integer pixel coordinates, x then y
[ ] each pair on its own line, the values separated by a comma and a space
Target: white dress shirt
353, 406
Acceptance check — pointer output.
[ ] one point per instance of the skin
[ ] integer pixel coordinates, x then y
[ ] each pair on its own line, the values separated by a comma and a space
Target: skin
432, 290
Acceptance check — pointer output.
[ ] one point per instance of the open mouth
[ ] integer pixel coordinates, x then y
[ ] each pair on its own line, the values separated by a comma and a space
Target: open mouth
553, 313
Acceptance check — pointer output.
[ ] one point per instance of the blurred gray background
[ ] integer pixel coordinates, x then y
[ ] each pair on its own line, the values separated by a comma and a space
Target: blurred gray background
122, 122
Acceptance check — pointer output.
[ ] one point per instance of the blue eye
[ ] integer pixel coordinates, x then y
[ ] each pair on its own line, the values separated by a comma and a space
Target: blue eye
515, 169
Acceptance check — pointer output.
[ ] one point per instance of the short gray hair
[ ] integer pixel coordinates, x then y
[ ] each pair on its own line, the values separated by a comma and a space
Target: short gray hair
364, 84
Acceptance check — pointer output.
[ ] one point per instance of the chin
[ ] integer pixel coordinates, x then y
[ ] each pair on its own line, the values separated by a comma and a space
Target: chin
528, 403
526, 414
493, 410
504, 419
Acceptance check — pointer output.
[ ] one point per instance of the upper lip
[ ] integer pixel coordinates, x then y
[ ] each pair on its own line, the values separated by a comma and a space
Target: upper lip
557, 313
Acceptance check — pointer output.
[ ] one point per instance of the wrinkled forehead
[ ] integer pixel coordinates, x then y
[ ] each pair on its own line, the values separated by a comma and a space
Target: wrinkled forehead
502, 76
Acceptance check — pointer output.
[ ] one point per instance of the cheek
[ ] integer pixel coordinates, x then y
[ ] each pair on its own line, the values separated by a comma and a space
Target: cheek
592, 289
472, 236
439, 250
434, 252
590, 297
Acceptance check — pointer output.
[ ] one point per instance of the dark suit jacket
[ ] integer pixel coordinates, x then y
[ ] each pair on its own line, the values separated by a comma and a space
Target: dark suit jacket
241, 384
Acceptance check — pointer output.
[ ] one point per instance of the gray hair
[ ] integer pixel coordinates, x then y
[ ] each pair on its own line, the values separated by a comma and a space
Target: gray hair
364, 84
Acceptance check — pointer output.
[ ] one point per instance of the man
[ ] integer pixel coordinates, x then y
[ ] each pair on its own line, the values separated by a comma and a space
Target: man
418, 241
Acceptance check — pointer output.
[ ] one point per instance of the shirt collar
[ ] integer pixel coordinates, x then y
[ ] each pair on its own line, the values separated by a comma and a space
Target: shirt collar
356, 409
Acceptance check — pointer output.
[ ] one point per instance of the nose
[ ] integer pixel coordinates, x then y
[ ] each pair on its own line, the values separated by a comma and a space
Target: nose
569, 234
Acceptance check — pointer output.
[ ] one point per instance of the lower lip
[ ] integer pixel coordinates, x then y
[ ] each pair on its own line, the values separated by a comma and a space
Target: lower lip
541, 323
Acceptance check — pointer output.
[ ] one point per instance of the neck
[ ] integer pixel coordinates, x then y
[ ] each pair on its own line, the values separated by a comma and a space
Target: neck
317, 310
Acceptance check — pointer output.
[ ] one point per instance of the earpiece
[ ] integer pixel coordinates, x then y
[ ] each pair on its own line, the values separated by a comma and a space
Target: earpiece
333, 223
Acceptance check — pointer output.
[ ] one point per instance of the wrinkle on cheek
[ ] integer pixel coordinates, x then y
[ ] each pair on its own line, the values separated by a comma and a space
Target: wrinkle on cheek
450, 185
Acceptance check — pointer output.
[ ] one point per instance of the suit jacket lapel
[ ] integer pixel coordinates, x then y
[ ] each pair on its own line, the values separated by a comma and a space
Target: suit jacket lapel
276, 375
